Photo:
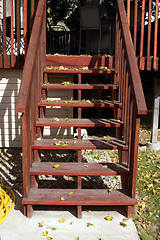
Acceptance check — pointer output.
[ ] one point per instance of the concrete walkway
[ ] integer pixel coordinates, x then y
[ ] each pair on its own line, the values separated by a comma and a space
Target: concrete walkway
18, 227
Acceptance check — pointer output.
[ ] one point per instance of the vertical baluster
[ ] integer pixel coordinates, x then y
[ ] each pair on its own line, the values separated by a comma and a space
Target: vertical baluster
135, 24
12, 33
25, 26
79, 208
149, 34
155, 36
18, 29
142, 33
32, 12
4, 35
128, 11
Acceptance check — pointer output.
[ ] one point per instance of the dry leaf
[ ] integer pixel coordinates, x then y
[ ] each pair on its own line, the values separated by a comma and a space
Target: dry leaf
54, 229
108, 218
70, 178
86, 166
125, 219
105, 166
49, 238
41, 224
62, 220
56, 166
77, 238
123, 224
39, 139
89, 224
57, 144
45, 233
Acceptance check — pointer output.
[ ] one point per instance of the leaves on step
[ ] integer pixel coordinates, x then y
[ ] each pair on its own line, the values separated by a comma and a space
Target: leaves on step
109, 190
39, 139
86, 166
49, 238
56, 166
66, 83
67, 119
108, 218
55, 119
62, 220
105, 166
70, 193
53, 229
41, 224
77, 238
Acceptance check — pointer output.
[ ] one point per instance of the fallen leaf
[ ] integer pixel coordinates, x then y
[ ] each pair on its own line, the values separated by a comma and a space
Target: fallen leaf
71, 223
89, 224
41, 224
125, 219
55, 119
56, 166
123, 224
70, 193
54, 229
57, 144
110, 190
70, 178
39, 139
62, 220
105, 166
77, 238
63, 199
45, 233
108, 218
86, 166
49, 238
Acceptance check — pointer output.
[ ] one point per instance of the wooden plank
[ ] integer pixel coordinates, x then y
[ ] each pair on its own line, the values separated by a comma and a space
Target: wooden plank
149, 34
135, 24
155, 36
77, 103
100, 197
4, 35
78, 169
79, 86
83, 61
142, 32
128, 10
79, 144
77, 71
25, 26
73, 122
18, 31
12, 33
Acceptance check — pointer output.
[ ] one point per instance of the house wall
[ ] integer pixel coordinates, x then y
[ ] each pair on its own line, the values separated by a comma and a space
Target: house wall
10, 122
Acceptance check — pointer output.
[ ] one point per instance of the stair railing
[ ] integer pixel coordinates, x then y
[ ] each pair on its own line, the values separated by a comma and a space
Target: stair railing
30, 90
130, 92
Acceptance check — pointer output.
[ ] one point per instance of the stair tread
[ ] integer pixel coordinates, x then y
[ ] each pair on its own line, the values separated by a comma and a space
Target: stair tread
79, 86
79, 103
79, 70
79, 144
74, 122
79, 197
78, 169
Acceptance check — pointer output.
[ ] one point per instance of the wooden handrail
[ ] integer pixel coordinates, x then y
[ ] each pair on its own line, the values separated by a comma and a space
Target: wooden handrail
30, 59
131, 61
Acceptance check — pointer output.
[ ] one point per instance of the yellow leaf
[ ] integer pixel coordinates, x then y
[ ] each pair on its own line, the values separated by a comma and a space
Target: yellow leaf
123, 224
54, 229
39, 139
125, 219
56, 166
86, 166
108, 218
71, 223
89, 224
105, 166
75, 141
45, 233
57, 144
55, 119
77, 238
63, 199
70, 178
70, 193
41, 224
110, 190
62, 220
49, 238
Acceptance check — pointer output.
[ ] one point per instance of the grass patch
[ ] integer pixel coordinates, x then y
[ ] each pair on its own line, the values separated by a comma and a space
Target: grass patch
147, 217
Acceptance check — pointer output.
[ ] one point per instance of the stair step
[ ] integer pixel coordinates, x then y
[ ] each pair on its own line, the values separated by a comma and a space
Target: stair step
74, 122
78, 103
79, 144
96, 197
78, 169
79, 86
81, 71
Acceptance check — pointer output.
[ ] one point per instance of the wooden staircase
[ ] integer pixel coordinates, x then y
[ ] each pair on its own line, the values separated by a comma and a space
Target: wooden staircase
127, 104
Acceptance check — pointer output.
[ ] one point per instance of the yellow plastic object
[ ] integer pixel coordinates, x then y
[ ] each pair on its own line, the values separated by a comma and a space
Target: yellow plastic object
7, 201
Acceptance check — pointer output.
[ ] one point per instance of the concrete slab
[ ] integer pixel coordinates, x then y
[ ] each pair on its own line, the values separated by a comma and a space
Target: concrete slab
18, 227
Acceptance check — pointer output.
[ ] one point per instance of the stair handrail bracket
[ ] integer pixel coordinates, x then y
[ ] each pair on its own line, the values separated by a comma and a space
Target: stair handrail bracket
130, 91
30, 89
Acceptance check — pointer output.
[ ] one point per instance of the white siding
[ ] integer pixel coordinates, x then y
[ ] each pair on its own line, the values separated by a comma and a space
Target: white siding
10, 121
